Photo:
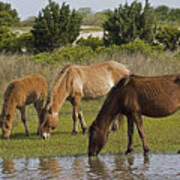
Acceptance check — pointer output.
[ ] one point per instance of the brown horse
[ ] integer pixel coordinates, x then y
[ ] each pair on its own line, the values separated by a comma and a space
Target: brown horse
134, 96
77, 82
19, 93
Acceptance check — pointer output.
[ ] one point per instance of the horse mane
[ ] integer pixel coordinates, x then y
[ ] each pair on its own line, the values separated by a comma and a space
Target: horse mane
58, 79
7, 95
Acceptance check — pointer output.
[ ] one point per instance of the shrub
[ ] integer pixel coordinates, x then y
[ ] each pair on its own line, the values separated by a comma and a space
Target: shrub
169, 36
140, 46
93, 42
76, 54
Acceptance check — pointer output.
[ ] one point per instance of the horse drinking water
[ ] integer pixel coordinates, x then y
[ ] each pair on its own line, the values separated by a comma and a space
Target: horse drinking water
77, 82
134, 96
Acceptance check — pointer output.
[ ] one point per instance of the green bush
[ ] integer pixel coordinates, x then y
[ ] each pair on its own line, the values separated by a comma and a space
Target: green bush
71, 54
108, 52
140, 46
169, 36
8, 40
13, 43
93, 42
85, 54
26, 41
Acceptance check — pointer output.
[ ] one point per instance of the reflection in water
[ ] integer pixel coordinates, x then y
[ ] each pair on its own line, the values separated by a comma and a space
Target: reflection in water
125, 168
49, 167
131, 167
8, 168
98, 169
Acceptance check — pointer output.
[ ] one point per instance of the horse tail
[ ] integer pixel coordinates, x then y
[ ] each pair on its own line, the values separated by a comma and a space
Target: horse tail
118, 122
122, 82
177, 80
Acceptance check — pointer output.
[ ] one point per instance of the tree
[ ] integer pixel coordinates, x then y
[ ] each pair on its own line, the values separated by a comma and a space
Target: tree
147, 24
128, 23
174, 15
162, 13
55, 27
8, 16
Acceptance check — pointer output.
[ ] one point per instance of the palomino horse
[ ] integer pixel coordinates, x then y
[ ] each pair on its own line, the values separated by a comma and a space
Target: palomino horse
134, 96
19, 93
77, 82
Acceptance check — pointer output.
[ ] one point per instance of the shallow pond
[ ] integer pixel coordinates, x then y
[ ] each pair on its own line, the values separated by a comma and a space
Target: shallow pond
131, 167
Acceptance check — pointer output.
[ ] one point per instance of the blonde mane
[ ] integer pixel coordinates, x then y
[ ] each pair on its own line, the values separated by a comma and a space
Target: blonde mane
56, 85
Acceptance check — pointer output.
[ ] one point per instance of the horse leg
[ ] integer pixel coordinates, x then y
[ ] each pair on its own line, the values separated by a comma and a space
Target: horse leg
116, 122
83, 124
140, 127
77, 114
23, 118
130, 134
38, 106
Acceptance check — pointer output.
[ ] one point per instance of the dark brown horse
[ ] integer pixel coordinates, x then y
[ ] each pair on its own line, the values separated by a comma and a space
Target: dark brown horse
134, 96
75, 83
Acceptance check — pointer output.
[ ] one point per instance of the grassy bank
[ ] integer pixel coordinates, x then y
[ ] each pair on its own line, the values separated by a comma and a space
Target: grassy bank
162, 134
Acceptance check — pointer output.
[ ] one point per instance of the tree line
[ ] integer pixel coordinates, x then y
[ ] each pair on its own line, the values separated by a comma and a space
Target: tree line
58, 26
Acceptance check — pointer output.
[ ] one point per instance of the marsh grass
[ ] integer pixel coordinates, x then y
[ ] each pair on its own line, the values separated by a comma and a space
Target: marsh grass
162, 134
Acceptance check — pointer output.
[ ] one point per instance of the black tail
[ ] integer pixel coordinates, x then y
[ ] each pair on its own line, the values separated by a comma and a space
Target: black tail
122, 82
177, 80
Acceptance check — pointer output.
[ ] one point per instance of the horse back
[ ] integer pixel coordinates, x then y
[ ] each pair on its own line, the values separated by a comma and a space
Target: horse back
30, 87
153, 96
96, 80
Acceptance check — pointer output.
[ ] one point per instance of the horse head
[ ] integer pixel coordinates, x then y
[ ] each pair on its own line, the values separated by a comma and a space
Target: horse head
49, 121
97, 140
5, 125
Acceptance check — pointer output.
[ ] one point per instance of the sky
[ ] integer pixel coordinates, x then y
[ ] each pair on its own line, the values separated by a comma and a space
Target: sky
28, 8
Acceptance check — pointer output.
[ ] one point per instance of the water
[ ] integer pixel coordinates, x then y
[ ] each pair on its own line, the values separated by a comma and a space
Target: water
131, 167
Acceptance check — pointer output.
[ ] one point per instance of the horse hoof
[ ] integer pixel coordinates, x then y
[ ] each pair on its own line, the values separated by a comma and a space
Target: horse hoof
5, 137
178, 152
146, 152
84, 131
74, 133
114, 128
128, 151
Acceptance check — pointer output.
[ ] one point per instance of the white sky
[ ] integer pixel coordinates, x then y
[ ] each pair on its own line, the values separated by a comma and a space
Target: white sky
27, 8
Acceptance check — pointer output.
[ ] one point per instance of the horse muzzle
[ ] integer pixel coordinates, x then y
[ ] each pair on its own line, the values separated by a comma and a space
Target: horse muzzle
45, 135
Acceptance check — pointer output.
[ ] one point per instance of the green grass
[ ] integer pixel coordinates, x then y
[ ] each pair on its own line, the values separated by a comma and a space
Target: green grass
163, 135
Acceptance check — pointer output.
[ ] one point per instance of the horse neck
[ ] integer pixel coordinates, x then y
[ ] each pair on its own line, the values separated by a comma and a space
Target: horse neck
106, 115
59, 94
